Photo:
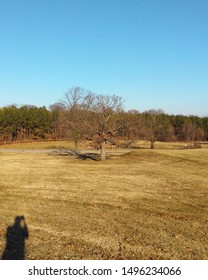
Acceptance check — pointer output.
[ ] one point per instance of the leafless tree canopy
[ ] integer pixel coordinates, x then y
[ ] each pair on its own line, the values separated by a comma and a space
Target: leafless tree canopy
78, 104
93, 116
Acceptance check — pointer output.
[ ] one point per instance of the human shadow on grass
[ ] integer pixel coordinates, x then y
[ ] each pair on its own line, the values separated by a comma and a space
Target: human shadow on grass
15, 240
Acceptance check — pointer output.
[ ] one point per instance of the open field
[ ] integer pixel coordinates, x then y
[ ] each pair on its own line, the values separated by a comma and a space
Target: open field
85, 144
38, 145
148, 204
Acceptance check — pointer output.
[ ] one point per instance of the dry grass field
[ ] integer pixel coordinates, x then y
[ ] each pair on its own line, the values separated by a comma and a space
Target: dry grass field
148, 204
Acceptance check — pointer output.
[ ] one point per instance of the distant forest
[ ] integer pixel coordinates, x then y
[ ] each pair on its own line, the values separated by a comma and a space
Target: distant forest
82, 115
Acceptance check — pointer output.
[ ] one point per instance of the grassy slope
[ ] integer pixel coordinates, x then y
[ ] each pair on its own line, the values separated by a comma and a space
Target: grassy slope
85, 144
146, 205
38, 145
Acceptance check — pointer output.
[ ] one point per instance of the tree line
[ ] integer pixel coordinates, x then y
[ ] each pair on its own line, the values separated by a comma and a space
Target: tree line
83, 115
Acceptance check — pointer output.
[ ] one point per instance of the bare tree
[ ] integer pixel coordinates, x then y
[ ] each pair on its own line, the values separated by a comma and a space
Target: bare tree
91, 116
129, 124
199, 136
192, 134
155, 127
107, 109
77, 109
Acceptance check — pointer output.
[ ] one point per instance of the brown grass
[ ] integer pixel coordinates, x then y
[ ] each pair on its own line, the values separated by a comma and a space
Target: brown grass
39, 145
142, 205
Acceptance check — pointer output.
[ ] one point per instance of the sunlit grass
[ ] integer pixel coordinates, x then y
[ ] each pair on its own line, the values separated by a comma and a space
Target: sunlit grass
39, 145
149, 204
87, 144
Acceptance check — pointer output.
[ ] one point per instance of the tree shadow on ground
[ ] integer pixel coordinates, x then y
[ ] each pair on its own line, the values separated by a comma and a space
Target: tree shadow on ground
92, 156
78, 155
138, 147
15, 240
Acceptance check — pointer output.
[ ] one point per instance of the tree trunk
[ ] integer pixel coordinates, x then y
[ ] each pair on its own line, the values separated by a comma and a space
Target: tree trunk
102, 155
152, 144
76, 144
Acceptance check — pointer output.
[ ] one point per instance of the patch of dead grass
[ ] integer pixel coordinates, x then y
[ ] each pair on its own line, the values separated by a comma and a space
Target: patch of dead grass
143, 205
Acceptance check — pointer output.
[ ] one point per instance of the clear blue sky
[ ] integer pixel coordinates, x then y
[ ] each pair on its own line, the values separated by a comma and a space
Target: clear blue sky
153, 53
